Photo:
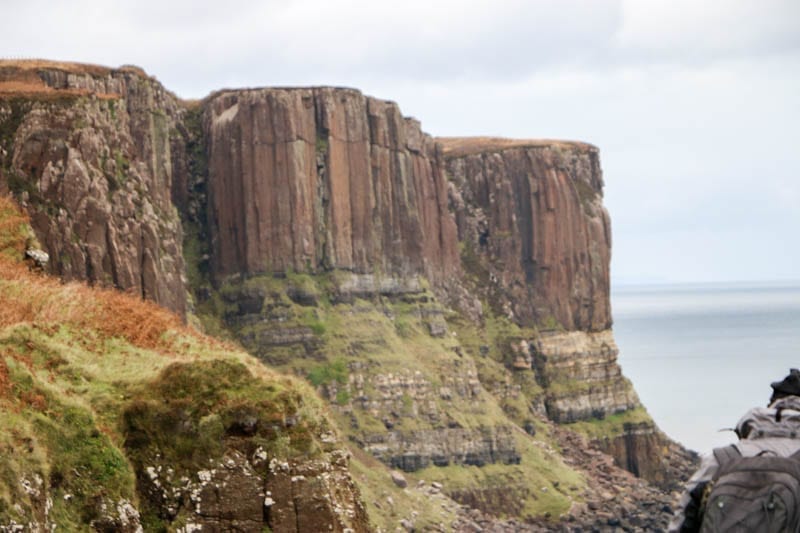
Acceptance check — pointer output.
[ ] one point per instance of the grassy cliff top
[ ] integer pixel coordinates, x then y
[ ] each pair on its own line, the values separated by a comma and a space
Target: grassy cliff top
21, 78
463, 146
28, 65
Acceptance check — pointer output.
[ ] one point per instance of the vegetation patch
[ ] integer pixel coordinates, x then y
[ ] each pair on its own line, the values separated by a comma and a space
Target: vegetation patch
326, 373
540, 485
612, 425
186, 414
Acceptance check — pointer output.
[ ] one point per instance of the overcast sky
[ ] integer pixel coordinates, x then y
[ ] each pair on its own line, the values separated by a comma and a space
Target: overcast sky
695, 105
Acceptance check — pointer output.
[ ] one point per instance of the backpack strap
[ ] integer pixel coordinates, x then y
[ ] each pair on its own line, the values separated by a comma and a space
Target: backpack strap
728, 454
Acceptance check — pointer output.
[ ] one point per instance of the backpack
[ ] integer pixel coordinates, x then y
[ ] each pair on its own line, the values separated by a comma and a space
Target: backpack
760, 493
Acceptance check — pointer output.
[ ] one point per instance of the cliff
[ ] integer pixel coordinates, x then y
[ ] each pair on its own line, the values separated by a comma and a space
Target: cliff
532, 212
448, 298
317, 179
115, 417
91, 152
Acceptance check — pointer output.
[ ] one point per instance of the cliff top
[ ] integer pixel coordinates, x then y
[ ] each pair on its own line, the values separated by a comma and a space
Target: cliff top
461, 146
22, 77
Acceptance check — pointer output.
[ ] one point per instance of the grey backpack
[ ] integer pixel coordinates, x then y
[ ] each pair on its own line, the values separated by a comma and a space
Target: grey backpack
748, 494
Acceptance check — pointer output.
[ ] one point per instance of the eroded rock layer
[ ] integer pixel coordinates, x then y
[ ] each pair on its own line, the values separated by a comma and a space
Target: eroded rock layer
580, 371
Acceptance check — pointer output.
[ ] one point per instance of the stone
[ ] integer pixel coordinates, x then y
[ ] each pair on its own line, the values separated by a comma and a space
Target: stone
399, 479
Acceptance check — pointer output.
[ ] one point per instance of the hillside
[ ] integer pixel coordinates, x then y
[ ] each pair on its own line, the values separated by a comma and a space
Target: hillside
442, 305
116, 417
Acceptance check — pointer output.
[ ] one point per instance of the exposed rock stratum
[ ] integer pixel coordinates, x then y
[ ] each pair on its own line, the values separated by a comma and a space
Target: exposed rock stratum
448, 297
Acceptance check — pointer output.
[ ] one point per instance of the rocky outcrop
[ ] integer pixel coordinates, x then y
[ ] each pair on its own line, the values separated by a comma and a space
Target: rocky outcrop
442, 447
579, 370
324, 232
89, 152
536, 244
531, 218
646, 452
236, 457
314, 179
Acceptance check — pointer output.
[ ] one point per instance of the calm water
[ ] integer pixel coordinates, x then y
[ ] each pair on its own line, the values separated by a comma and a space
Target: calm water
701, 355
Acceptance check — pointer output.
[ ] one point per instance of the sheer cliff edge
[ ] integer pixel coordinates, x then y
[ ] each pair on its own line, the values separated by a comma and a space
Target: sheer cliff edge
448, 297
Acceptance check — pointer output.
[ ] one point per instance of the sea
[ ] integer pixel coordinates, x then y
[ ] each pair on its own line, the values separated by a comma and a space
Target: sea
701, 355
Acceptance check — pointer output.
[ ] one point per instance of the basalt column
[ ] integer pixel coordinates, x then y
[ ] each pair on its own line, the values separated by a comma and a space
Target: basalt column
316, 179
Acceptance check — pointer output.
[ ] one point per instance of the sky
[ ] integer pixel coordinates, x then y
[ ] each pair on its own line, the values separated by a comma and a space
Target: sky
695, 105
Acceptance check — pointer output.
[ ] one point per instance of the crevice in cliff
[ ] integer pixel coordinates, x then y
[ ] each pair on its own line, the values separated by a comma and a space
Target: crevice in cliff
524, 207
111, 258
322, 208
194, 210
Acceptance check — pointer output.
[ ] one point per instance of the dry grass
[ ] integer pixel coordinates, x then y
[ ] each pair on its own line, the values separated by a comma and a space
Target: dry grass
66, 66
12, 228
461, 146
28, 297
20, 78
5, 380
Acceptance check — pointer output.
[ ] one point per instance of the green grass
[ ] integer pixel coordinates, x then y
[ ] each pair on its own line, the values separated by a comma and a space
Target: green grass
611, 426
325, 373
83, 413
541, 485
381, 337
58, 440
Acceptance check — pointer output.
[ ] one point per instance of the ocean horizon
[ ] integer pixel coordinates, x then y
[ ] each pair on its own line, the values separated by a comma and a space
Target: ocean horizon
701, 354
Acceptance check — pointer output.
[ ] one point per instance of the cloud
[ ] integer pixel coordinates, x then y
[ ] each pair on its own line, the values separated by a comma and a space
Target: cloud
693, 103
689, 30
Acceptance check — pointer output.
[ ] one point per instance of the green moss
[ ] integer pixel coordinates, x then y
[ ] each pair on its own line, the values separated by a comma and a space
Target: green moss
342, 397
550, 323
19, 184
329, 372
586, 194
66, 450
11, 122
322, 145
611, 426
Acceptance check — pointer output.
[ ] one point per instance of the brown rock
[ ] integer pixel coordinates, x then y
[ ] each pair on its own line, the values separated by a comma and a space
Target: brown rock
88, 152
399, 479
310, 179
531, 215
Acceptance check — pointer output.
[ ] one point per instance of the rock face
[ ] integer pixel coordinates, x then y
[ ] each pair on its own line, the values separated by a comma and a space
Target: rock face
580, 371
90, 154
443, 447
532, 214
313, 179
325, 230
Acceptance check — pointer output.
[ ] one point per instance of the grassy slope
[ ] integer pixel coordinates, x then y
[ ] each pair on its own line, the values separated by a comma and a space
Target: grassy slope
86, 372
390, 336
